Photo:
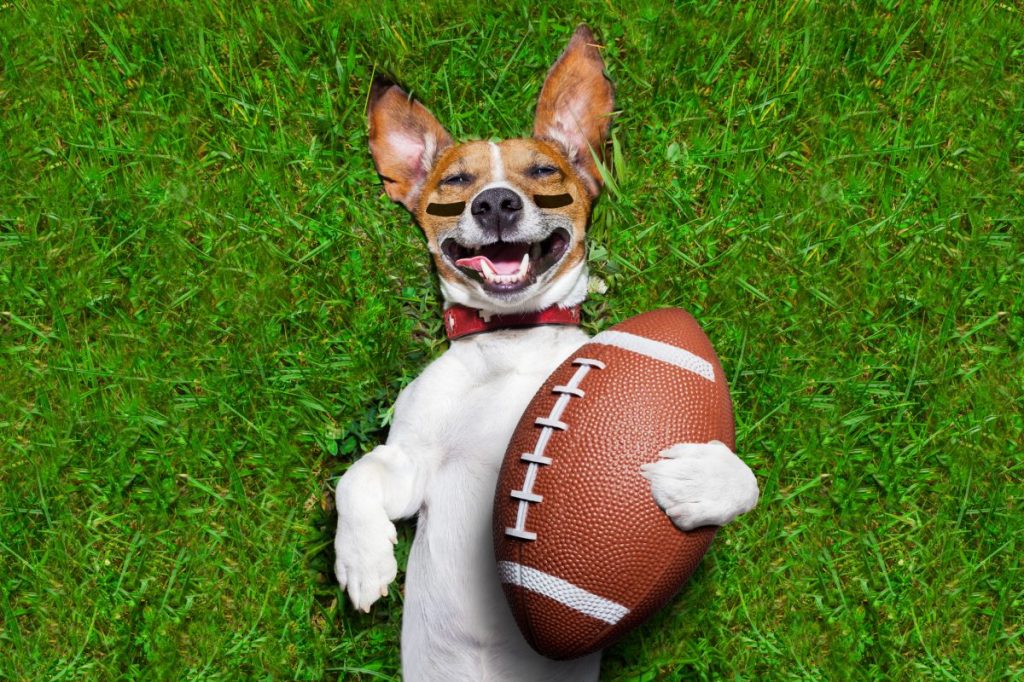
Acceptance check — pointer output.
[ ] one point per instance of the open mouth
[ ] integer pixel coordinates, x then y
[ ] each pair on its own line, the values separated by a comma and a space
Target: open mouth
507, 267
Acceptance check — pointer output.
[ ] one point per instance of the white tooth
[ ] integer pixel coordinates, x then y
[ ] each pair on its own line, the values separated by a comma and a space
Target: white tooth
523, 265
488, 271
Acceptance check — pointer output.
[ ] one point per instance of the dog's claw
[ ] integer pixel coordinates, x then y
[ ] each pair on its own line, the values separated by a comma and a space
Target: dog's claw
365, 557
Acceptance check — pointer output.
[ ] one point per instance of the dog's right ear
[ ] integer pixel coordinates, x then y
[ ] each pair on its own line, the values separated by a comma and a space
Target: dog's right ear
575, 106
405, 140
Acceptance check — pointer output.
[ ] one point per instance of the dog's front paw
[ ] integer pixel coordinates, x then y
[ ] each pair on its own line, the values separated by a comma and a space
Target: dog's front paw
365, 557
701, 484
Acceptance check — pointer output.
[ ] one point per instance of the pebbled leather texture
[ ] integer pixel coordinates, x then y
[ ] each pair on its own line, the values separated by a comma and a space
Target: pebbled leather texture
597, 525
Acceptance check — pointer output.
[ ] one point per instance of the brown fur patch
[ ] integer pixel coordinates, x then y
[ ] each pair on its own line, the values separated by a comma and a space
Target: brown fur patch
405, 139
519, 156
575, 106
471, 159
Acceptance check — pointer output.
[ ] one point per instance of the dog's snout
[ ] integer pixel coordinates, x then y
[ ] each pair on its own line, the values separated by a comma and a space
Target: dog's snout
497, 210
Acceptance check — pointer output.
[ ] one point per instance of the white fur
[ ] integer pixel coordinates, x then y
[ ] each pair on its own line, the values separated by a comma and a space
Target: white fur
701, 484
451, 426
497, 165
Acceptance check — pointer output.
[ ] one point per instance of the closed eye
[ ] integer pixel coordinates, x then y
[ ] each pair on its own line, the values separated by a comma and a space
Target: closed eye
457, 179
541, 171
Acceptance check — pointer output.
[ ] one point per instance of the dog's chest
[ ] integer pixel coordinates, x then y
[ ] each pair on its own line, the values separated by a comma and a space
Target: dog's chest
498, 376
479, 390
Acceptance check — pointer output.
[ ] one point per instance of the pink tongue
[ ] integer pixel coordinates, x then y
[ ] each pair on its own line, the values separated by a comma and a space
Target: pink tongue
504, 261
476, 263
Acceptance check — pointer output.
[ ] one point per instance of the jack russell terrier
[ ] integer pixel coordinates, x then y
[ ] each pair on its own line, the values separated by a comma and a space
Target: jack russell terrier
505, 224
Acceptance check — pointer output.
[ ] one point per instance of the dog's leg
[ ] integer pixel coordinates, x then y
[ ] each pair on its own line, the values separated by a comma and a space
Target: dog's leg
701, 484
384, 485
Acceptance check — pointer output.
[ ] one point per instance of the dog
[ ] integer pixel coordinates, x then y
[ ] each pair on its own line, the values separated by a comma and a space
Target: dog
506, 225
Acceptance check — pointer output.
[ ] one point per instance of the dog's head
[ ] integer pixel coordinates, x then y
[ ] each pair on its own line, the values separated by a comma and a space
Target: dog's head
505, 221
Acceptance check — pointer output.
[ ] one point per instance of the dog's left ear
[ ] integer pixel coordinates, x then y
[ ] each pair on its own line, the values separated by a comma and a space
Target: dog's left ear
575, 106
405, 141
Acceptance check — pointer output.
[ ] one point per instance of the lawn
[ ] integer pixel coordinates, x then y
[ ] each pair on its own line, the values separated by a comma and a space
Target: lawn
208, 306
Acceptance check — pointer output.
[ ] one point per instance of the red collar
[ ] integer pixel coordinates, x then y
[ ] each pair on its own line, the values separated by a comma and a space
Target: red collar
460, 320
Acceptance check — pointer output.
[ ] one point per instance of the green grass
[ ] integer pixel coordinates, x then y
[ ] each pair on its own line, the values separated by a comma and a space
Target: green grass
207, 308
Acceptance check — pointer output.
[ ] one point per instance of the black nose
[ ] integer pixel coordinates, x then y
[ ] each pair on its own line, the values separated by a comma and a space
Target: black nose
497, 210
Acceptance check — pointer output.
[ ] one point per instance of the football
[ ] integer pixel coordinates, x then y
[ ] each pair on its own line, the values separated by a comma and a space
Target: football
584, 554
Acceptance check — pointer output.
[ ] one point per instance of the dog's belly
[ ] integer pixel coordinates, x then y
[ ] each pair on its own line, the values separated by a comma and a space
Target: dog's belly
455, 613
453, 556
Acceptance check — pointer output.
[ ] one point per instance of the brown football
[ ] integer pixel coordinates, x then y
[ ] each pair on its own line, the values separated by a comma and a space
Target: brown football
584, 553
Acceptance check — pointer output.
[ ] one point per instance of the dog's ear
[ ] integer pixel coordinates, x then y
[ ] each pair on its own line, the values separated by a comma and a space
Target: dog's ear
575, 106
405, 140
